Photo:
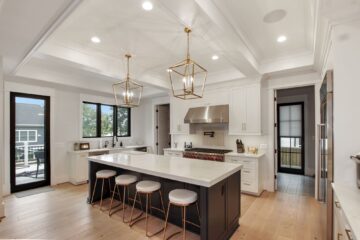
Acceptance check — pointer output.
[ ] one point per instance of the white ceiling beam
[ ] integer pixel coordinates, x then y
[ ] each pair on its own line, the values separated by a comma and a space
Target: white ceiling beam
231, 40
223, 36
47, 32
81, 70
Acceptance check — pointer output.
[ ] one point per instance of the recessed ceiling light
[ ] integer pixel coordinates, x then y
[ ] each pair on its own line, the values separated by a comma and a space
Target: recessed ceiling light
95, 39
215, 57
281, 39
147, 6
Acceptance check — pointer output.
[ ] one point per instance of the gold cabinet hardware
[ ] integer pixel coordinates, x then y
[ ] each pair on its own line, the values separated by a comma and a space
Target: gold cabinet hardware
348, 234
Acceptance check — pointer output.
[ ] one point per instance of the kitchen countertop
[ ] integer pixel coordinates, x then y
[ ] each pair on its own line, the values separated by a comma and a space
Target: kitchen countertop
108, 149
248, 155
192, 171
349, 198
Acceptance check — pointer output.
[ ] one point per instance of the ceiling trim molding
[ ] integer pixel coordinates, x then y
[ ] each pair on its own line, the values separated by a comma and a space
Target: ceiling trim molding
47, 32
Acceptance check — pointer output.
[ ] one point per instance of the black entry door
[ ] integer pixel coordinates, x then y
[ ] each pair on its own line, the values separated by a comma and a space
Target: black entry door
291, 138
29, 141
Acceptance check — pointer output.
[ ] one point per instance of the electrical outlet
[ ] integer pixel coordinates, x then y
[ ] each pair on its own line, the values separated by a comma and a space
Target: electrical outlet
263, 146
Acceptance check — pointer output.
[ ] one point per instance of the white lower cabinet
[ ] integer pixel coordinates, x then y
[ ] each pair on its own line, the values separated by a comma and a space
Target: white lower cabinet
251, 177
342, 230
79, 167
173, 153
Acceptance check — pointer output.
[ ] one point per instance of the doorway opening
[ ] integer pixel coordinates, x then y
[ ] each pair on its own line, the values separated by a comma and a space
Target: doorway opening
162, 128
295, 140
29, 141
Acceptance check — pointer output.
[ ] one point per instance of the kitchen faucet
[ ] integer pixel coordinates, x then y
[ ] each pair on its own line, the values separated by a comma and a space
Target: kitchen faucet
113, 141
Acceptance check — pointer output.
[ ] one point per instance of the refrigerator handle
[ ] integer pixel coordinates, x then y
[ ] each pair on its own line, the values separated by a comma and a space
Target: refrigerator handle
320, 164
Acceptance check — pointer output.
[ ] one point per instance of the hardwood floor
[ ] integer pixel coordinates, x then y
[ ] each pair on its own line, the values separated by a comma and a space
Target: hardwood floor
64, 214
296, 184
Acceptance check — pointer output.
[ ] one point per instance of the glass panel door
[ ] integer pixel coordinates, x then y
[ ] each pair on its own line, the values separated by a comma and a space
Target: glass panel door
290, 138
29, 141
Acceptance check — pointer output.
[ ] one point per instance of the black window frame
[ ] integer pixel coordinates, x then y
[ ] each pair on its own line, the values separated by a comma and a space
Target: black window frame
115, 120
129, 122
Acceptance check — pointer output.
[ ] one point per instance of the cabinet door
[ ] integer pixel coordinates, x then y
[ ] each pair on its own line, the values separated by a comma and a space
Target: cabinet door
178, 110
253, 110
217, 211
237, 111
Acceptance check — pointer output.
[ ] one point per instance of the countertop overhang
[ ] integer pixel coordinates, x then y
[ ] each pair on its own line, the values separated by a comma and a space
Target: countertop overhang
193, 171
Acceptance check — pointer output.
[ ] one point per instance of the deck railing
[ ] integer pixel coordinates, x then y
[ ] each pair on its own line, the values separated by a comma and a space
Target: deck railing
25, 153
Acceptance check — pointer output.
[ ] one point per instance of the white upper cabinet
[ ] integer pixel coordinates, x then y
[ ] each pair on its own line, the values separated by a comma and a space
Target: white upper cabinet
245, 110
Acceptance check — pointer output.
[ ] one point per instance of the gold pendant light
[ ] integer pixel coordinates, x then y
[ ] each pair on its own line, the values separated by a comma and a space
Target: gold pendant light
187, 77
127, 93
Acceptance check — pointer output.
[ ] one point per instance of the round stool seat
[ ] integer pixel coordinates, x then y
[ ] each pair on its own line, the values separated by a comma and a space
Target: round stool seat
182, 196
125, 179
105, 173
148, 186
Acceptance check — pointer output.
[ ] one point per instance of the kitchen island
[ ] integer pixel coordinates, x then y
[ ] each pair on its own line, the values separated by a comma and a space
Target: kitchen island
216, 183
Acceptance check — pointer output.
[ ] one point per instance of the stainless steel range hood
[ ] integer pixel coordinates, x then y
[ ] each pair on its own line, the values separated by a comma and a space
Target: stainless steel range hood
208, 114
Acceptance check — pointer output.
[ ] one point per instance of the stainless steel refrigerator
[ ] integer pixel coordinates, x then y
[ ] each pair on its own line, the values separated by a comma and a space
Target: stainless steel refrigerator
326, 154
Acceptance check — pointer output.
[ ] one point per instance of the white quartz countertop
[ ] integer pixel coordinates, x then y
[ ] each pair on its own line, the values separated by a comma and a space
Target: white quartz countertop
108, 149
174, 149
248, 155
198, 172
349, 198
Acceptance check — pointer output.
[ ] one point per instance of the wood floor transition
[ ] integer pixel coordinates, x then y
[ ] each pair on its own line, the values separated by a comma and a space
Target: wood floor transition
64, 214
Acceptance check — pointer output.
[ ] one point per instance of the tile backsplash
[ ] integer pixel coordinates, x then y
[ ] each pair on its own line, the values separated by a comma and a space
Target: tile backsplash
221, 139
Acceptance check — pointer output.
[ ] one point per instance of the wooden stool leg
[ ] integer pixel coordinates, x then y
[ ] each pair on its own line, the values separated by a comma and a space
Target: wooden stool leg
112, 199
92, 198
102, 192
184, 222
166, 220
146, 213
123, 216
132, 209
162, 202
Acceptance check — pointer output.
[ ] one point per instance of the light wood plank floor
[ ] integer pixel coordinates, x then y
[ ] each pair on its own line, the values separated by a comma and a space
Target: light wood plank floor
64, 214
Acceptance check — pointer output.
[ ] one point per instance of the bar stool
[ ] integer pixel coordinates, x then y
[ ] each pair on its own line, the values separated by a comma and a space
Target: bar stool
102, 174
124, 180
147, 188
182, 198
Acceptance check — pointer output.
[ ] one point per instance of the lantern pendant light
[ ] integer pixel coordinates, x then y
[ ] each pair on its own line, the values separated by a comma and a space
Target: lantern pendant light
187, 77
127, 93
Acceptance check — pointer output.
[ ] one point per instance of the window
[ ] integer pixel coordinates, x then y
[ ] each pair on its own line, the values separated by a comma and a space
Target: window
123, 122
90, 120
107, 121
26, 136
100, 120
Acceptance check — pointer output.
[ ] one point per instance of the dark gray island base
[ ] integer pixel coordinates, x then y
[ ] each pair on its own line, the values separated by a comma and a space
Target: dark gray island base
219, 204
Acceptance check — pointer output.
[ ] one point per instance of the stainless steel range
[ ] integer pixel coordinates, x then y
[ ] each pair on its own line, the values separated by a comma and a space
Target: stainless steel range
206, 154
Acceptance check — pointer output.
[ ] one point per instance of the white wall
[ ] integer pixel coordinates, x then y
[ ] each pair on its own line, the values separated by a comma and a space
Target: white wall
346, 62
2, 157
66, 124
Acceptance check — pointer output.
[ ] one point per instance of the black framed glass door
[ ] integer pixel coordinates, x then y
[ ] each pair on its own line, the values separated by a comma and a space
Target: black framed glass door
29, 141
291, 137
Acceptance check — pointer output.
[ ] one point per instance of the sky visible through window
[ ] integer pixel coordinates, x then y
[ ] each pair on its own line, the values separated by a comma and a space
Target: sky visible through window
39, 102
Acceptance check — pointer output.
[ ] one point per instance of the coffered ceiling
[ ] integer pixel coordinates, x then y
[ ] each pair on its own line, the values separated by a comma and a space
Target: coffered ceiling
243, 34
